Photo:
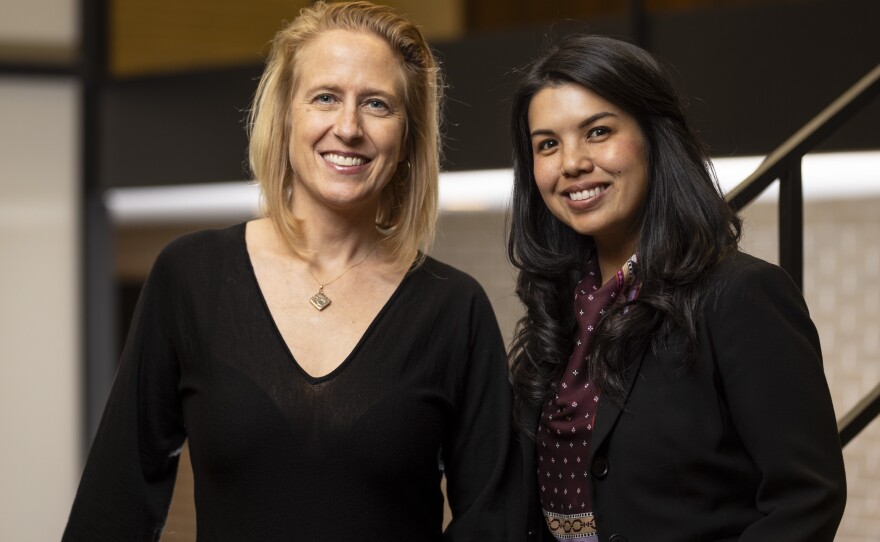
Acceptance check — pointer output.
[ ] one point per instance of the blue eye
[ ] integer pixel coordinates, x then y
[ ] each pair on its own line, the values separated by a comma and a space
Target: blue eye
324, 98
377, 104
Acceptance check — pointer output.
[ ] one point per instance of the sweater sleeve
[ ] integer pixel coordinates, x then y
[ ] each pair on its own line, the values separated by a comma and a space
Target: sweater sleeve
129, 476
768, 353
478, 455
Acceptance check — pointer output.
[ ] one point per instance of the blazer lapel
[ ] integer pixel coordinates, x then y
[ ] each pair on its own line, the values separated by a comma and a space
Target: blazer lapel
607, 411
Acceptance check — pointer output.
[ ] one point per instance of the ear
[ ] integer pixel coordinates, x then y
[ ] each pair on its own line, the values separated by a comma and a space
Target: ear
403, 166
403, 153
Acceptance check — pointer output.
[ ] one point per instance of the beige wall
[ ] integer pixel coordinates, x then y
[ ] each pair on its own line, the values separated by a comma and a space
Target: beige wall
39, 312
39, 275
38, 29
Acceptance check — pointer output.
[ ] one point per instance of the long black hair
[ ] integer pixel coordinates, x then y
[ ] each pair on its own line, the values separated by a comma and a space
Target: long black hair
686, 227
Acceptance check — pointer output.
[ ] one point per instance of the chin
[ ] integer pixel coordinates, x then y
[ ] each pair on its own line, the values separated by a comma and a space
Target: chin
581, 227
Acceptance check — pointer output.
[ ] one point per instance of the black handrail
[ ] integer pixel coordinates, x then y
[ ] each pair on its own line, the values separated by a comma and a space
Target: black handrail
789, 154
784, 164
859, 416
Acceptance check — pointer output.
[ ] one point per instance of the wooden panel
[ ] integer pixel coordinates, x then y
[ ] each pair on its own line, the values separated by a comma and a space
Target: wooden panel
439, 20
156, 36
152, 36
494, 14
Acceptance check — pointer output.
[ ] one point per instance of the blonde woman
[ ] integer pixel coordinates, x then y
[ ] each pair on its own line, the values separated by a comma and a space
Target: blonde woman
325, 372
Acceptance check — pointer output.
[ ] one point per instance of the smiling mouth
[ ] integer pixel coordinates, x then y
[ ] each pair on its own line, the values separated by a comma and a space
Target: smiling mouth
587, 194
340, 160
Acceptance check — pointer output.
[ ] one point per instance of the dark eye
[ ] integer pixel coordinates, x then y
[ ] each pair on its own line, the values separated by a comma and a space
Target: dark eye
598, 131
547, 144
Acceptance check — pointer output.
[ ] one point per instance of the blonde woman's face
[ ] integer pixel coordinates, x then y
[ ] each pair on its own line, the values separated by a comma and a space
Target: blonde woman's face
347, 122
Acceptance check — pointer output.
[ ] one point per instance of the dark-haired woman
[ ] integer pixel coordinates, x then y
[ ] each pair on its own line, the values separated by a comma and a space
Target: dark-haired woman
669, 386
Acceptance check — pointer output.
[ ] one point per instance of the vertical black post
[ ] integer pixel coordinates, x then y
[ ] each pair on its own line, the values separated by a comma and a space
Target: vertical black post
637, 24
97, 297
791, 223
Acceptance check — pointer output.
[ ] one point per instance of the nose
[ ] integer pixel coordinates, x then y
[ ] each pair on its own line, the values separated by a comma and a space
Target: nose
575, 161
348, 124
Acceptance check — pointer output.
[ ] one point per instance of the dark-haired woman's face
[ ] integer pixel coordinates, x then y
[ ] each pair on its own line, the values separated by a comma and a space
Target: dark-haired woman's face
590, 163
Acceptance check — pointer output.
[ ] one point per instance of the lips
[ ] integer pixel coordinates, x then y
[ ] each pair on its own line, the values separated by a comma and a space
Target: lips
344, 160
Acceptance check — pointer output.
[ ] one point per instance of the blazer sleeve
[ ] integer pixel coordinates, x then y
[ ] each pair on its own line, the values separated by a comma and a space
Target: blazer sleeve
479, 455
768, 355
129, 476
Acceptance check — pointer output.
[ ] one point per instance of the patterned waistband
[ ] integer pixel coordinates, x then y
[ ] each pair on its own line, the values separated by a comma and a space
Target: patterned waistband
572, 527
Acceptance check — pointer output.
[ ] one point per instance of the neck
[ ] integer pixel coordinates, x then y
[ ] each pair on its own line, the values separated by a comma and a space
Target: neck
335, 240
612, 256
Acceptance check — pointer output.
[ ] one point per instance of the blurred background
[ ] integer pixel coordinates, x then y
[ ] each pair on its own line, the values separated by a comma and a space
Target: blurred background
121, 126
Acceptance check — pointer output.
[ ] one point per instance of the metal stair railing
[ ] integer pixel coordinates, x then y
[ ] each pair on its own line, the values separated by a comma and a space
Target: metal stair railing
784, 164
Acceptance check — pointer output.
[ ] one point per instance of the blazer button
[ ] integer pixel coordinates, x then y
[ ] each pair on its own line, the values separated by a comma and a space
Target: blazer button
600, 470
617, 538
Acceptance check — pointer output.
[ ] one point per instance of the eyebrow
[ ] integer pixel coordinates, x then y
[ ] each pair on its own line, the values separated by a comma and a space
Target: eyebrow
586, 122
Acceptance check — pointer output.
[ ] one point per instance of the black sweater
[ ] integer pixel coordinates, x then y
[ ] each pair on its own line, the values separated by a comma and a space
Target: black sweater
279, 455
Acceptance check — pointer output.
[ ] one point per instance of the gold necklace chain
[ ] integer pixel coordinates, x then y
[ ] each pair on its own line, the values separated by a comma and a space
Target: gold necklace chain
320, 300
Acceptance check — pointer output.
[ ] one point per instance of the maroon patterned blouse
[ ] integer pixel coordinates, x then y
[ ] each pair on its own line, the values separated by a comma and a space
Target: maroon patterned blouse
567, 420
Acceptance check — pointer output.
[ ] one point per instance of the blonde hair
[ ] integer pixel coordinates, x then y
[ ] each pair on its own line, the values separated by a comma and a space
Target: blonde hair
408, 205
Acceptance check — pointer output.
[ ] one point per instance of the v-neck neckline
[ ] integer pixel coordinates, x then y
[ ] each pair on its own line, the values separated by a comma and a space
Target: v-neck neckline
349, 359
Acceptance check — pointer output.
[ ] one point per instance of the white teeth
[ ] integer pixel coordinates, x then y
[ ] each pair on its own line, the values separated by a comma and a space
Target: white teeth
586, 194
343, 160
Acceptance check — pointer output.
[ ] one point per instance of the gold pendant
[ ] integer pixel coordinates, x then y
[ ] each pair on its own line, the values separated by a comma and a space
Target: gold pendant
319, 300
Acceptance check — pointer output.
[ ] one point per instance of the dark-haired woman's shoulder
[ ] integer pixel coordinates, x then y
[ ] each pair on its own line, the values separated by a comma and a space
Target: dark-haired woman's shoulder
739, 261
741, 273
760, 339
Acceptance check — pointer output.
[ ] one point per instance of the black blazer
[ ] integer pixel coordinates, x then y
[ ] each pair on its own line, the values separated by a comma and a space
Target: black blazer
742, 445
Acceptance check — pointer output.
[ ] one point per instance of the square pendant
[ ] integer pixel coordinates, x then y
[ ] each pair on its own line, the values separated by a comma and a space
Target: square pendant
319, 301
